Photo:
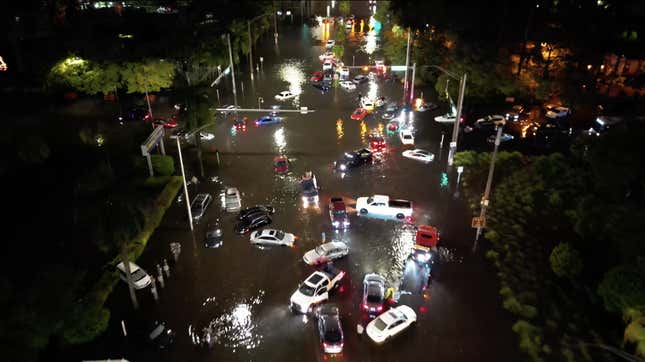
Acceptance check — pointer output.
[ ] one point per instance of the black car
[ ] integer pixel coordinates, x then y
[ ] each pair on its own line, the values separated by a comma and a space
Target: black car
373, 294
214, 236
252, 222
323, 87
161, 336
354, 159
329, 328
268, 209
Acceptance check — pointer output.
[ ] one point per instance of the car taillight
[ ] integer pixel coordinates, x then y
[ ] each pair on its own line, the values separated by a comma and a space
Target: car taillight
379, 308
365, 306
324, 345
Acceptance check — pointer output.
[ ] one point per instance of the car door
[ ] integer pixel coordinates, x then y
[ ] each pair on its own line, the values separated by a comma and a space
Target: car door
398, 326
321, 293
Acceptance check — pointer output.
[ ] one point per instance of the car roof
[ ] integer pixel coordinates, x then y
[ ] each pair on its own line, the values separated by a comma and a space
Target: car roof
339, 205
133, 267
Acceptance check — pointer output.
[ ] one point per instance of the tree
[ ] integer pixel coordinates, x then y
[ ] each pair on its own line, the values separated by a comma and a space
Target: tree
565, 261
623, 287
338, 51
163, 165
395, 45
196, 115
149, 75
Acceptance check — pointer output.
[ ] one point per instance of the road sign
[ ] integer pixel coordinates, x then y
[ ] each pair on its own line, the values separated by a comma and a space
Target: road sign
478, 222
152, 141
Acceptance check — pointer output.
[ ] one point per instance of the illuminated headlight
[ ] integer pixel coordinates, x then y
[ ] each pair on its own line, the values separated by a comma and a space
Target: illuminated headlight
345, 223
423, 257
336, 224
343, 167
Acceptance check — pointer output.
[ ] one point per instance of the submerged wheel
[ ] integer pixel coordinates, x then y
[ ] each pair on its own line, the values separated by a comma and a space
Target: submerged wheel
400, 216
363, 211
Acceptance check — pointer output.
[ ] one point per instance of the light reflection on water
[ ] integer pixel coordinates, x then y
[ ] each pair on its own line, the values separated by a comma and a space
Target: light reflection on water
236, 328
280, 140
292, 72
339, 129
402, 242
363, 132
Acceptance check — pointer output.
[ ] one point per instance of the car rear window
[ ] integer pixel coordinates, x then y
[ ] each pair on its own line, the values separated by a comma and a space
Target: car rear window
379, 324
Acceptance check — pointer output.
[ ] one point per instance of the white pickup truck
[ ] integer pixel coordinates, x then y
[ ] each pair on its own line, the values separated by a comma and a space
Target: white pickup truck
315, 289
382, 205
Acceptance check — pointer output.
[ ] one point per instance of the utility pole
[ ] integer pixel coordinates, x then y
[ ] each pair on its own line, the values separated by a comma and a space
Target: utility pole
414, 71
484, 202
145, 87
407, 65
455, 128
275, 27
248, 24
183, 176
230, 57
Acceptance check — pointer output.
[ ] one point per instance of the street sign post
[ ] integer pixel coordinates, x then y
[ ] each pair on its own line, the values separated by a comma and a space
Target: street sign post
156, 137
478, 222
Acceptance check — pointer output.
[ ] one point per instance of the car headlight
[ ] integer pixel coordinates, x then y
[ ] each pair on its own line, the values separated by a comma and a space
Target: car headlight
343, 167
346, 223
336, 223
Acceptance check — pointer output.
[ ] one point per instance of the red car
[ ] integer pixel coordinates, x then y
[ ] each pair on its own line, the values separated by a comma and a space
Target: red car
281, 165
359, 114
317, 77
377, 143
170, 123
240, 124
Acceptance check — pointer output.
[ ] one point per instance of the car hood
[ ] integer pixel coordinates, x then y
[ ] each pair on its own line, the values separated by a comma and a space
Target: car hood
375, 334
311, 255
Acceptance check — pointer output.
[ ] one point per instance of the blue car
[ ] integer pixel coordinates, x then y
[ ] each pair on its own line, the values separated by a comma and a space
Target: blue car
266, 120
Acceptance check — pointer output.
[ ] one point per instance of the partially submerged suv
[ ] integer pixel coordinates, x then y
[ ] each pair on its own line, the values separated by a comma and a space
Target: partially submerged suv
199, 205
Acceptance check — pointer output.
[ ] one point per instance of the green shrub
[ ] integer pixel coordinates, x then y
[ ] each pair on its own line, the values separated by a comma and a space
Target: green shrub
530, 339
156, 182
162, 165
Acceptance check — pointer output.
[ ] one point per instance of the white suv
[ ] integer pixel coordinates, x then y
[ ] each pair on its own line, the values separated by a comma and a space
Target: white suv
199, 205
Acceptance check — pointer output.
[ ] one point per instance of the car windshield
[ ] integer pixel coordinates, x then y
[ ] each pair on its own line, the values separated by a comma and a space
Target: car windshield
422, 153
340, 212
307, 290
374, 294
320, 250
379, 324
138, 275
279, 234
407, 136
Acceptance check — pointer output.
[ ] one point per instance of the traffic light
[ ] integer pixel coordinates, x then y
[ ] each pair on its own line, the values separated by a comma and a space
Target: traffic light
444, 180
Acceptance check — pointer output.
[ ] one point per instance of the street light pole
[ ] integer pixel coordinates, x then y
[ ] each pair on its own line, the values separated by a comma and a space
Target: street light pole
407, 65
230, 57
414, 71
183, 176
248, 24
275, 27
455, 128
489, 182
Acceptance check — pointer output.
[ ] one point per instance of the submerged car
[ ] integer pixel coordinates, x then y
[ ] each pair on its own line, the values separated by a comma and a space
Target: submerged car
325, 253
199, 205
262, 121
358, 114
140, 278
373, 294
161, 336
419, 155
232, 200
268, 209
252, 222
390, 323
281, 165
354, 159
284, 95
330, 329
214, 236
406, 137
338, 213
272, 237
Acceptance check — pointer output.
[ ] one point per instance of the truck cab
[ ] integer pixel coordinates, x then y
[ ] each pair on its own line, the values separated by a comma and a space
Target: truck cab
427, 239
315, 289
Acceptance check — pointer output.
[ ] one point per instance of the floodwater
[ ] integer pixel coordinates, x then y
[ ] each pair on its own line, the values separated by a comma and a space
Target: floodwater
240, 293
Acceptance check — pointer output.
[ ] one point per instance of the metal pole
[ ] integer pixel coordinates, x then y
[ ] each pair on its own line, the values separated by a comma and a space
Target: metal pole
230, 57
183, 176
414, 71
491, 170
455, 128
353, 60
145, 87
275, 27
407, 65
248, 23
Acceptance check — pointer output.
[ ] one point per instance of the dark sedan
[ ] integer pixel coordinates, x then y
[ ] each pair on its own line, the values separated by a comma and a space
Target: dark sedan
268, 209
252, 222
354, 159
329, 329
214, 236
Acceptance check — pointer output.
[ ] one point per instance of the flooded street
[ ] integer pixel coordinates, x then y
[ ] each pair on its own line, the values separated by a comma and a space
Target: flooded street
241, 292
